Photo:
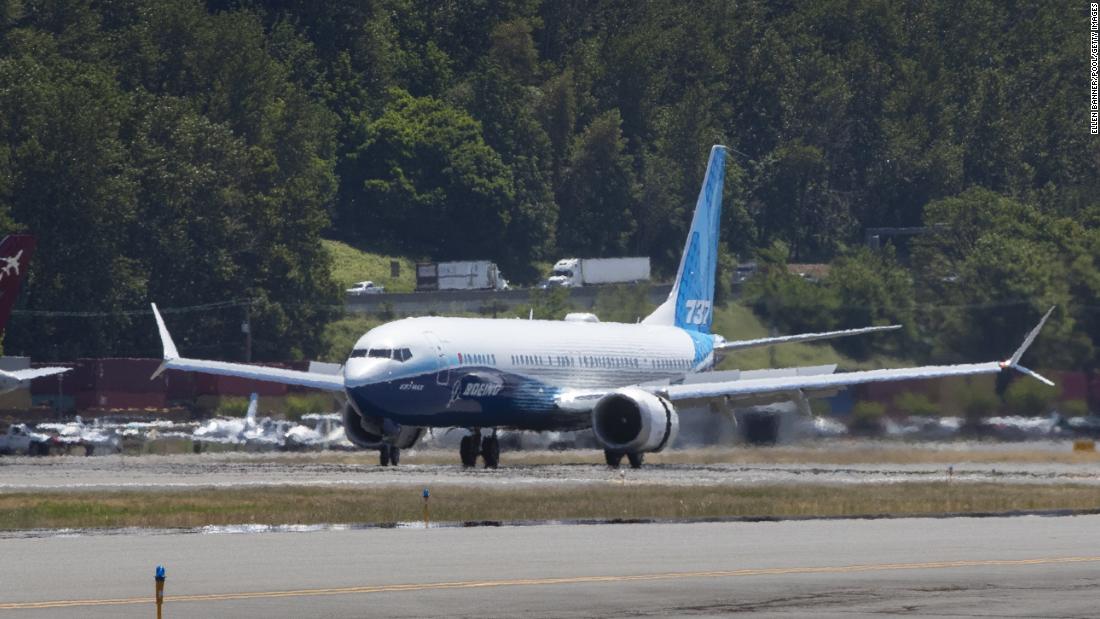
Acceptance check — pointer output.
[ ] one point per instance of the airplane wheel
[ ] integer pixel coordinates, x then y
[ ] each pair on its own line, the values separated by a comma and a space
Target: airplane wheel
636, 459
467, 450
490, 450
395, 455
384, 455
614, 458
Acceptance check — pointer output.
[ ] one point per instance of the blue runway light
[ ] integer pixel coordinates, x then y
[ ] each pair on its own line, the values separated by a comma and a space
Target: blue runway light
426, 493
160, 572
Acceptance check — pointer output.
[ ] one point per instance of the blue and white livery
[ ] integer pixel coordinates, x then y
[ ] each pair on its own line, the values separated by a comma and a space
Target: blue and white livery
622, 380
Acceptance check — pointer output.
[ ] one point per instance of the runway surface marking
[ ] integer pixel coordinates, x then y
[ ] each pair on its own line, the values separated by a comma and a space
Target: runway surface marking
524, 582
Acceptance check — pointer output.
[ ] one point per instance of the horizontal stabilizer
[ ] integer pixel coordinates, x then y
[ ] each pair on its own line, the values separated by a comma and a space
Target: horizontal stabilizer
802, 337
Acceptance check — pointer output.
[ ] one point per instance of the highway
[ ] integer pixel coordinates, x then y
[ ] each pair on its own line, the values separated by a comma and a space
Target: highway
976, 567
483, 301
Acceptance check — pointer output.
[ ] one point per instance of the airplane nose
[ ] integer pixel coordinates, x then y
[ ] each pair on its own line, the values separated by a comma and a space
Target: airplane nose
362, 371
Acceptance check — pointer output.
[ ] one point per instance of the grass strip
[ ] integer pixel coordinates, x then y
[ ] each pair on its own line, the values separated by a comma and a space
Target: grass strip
298, 505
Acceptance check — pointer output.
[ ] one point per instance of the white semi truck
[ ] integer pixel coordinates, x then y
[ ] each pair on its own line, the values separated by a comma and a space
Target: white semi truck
575, 272
460, 275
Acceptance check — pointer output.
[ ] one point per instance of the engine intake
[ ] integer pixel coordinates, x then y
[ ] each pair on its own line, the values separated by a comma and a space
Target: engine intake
371, 432
360, 431
633, 420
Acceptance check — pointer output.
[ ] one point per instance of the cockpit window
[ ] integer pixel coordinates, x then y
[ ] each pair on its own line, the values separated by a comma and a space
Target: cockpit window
397, 354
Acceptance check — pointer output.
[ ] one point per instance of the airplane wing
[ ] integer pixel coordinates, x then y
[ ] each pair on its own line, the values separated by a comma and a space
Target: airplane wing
763, 386
805, 385
173, 361
31, 374
802, 337
799, 383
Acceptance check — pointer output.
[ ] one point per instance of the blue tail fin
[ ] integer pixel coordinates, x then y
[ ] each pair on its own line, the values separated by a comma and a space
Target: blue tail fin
690, 304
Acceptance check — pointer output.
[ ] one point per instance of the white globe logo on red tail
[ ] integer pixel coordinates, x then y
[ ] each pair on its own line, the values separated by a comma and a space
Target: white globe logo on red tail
11, 264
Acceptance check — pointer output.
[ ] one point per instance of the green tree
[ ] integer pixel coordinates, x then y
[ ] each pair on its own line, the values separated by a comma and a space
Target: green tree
788, 302
993, 267
424, 180
872, 289
598, 196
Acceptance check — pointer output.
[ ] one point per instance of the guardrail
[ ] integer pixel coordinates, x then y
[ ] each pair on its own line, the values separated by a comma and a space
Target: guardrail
476, 301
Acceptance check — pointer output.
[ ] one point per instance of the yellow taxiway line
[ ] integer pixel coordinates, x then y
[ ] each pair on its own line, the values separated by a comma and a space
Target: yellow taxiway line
571, 580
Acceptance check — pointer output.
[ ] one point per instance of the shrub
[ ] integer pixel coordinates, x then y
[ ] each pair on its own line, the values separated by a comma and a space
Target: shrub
232, 407
916, 404
1074, 408
977, 404
1030, 397
623, 303
304, 403
867, 418
551, 303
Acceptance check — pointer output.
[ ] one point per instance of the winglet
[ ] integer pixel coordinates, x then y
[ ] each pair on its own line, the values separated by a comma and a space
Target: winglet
170, 352
1014, 361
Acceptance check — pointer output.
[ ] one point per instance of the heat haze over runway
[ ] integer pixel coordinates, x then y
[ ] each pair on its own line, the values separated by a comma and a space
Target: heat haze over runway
228, 470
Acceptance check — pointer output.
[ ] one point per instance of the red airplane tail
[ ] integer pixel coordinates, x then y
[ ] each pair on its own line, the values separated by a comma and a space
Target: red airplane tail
15, 254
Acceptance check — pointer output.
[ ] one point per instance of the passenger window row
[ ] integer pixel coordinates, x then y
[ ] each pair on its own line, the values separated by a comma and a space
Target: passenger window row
475, 358
589, 361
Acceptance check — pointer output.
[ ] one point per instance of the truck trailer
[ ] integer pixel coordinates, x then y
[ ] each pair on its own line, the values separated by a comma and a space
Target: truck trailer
460, 275
575, 272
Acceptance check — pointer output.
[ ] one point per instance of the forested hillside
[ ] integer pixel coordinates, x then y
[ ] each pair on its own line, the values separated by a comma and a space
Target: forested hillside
196, 153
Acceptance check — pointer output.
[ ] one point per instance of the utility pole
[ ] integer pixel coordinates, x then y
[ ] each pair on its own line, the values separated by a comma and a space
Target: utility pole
246, 328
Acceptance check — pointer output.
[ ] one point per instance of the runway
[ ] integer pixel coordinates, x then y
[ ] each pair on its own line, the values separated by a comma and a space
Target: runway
1026, 567
264, 470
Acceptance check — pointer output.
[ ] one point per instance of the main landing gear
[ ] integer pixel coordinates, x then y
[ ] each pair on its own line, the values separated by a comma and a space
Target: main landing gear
615, 458
473, 445
389, 455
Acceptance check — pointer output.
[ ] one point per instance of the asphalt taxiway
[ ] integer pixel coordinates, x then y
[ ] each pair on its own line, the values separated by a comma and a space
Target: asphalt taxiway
1025, 566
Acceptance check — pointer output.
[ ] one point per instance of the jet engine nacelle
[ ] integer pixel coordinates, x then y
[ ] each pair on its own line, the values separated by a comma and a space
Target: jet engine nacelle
372, 432
633, 420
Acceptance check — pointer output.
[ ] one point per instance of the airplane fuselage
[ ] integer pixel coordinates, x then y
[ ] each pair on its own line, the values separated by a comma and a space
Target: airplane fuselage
485, 373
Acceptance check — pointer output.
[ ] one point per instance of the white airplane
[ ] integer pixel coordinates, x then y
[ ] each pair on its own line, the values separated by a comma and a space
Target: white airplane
622, 380
230, 429
76, 433
318, 431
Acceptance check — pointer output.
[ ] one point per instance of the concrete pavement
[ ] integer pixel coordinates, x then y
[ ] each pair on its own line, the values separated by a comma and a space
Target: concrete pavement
1026, 566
